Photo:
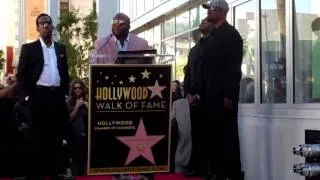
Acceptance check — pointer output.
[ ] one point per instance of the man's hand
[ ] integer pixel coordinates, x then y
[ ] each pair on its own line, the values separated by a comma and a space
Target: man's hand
227, 103
80, 102
86, 104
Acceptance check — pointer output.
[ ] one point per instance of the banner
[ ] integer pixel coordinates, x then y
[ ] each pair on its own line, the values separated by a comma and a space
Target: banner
129, 127
34, 8
9, 60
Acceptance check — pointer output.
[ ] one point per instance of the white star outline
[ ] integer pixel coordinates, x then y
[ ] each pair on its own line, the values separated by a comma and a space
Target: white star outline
145, 74
132, 79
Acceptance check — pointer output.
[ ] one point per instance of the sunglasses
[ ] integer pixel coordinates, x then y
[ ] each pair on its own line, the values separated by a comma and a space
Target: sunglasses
45, 24
77, 87
118, 21
205, 21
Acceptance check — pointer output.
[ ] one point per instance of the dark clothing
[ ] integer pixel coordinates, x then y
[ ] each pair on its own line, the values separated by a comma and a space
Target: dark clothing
31, 62
220, 78
221, 65
49, 123
192, 85
49, 129
12, 139
7, 137
80, 126
192, 79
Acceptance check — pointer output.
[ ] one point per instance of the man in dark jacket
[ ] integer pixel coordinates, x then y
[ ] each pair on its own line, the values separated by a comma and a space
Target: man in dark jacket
43, 80
219, 93
192, 86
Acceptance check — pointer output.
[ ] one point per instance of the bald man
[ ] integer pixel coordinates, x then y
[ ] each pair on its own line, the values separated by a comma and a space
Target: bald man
107, 48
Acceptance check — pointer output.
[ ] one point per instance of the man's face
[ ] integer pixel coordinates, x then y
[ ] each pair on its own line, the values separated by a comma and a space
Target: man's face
120, 26
205, 26
214, 14
45, 26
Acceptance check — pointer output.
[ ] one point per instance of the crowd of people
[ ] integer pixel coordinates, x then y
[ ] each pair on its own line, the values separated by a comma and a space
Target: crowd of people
45, 126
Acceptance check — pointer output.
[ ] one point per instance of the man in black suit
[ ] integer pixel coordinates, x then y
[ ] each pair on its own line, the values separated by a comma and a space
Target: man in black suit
192, 86
219, 94
43, 80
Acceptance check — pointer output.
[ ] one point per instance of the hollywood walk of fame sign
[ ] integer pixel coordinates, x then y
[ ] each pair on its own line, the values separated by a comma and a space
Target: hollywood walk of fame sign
129, 119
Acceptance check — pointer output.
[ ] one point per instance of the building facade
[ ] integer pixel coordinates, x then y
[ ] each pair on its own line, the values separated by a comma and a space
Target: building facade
280, 88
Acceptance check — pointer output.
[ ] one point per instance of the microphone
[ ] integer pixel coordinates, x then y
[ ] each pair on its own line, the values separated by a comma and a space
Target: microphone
104, 44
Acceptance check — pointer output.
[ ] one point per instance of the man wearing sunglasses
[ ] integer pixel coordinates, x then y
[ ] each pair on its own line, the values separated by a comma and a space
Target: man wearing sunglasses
107, 48
43, 81
221, 59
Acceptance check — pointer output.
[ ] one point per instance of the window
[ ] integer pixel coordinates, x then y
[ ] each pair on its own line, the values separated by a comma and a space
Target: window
121, 5
141, 35
168, 47
148, 35
156, 3
169, 28
148, 5
306, 51
195, 17
126, 7
140, 7
134, 9
157, 38
273, 51
182, 52
245, 23
182, 22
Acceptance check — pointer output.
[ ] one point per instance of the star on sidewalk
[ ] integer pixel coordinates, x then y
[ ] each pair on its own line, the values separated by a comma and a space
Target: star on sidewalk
156, 90
140, 144
132, 79
145, 74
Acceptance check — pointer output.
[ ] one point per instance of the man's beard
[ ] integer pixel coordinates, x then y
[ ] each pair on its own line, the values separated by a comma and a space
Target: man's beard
121, 35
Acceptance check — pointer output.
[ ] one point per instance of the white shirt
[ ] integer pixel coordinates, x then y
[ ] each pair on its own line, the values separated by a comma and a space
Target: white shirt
50, 74
125, 43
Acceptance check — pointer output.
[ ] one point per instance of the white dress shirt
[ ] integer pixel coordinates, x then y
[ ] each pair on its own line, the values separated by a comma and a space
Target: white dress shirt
50, 74
125, 43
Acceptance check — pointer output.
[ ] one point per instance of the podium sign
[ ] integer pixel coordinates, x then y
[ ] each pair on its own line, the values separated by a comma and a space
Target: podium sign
129, 127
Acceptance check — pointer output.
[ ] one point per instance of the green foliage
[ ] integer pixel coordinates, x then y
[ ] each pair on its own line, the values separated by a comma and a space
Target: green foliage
1, 60
78, 34
179, 73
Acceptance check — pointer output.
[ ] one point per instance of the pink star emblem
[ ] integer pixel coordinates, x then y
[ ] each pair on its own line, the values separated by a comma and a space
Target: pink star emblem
156, 90
140, 144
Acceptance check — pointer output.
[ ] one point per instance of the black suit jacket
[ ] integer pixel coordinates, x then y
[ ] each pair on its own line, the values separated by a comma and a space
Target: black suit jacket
192, 79
31, 63
221, 65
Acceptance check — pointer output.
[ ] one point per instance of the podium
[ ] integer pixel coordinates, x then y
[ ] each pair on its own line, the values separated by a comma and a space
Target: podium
129, 115
136, 57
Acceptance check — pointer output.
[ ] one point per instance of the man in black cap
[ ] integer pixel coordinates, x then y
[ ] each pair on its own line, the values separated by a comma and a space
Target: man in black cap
219, 94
